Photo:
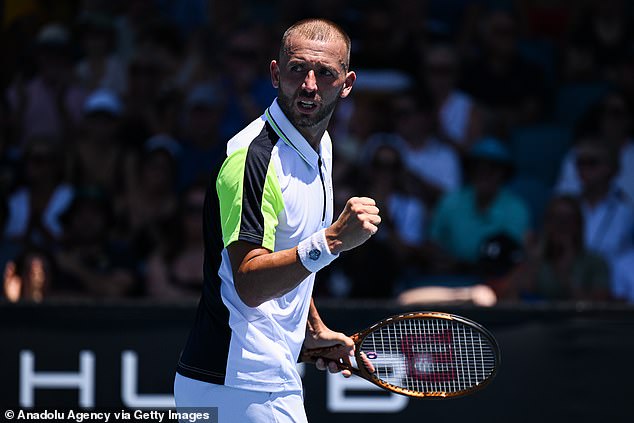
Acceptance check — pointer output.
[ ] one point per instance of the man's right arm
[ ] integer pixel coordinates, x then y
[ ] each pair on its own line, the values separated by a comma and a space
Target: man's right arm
260, 275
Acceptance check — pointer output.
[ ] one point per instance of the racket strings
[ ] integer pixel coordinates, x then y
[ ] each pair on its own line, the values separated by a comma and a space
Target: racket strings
430, 355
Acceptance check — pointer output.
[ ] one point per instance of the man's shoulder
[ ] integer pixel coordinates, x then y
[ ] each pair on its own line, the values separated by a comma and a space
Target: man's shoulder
243, 138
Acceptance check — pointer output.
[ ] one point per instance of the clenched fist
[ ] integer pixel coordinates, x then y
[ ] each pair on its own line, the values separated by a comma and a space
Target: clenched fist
356, 224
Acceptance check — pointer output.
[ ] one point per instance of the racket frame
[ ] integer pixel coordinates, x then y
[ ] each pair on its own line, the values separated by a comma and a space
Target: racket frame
362, 372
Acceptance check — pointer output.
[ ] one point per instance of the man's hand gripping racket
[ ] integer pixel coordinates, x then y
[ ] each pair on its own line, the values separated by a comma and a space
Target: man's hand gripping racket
422, 354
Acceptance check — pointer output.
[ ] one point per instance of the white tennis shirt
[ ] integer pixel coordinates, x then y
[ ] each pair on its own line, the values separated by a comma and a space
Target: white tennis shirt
272, 190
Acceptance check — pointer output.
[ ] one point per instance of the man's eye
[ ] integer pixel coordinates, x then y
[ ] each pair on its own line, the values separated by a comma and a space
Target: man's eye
326, 72
296, 68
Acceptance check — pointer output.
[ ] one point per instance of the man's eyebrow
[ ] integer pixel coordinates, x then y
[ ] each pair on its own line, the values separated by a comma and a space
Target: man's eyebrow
333, 68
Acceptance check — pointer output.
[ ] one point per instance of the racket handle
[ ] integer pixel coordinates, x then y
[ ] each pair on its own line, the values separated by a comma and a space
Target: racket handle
311, 356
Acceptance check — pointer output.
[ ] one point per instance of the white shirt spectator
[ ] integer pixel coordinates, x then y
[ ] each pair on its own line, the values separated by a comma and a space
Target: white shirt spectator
434, 162
409, 217
454, 116
570, 183
609, 228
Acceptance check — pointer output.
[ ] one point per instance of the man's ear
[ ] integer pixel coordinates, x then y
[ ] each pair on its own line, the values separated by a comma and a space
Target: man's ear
347, 84
275, 74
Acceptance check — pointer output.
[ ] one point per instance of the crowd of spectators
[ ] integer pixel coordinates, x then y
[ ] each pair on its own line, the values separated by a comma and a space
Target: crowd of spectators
495, 136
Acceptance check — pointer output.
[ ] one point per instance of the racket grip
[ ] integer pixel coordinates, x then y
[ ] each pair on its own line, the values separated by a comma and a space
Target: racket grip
311, 356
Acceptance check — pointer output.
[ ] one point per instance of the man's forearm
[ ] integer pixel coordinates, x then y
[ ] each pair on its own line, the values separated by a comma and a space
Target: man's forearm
260, 276
314, 323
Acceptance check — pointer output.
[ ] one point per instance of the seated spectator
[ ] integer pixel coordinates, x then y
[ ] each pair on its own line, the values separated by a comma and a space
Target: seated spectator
245, 83
175, 267
99, 154
90, 263
199, 64
99, 68
150, 198
604, 30
146, 81
612, 122
397, 245
29, 277
510, 89
434, 165
558, 265
459, 118
467, 218
202, 143
607, 212
51, 102
37, 203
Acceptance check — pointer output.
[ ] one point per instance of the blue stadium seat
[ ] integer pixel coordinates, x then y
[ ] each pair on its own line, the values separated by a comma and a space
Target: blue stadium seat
538, 150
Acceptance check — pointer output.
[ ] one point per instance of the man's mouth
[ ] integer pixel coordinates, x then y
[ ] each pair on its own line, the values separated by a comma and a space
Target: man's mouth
306, 105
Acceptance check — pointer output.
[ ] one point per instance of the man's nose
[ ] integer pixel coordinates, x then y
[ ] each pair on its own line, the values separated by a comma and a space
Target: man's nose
310, 81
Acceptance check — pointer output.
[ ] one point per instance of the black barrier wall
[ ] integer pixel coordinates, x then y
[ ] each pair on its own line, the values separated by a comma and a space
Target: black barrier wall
560, 363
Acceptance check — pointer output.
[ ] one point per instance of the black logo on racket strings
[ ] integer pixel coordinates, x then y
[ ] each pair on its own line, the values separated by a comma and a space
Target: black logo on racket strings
314, 254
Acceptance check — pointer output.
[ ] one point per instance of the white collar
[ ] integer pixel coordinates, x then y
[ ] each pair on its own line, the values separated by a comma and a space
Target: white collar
291, 136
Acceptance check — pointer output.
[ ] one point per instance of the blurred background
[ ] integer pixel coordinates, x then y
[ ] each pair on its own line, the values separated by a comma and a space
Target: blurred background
496, 137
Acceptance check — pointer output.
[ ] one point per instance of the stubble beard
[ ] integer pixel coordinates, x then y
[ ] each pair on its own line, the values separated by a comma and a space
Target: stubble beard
287, 104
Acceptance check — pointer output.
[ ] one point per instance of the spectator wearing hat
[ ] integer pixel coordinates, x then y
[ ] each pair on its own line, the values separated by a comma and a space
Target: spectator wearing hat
558, 266
202, 144
98, 152
465, 219
51, 102
90, 262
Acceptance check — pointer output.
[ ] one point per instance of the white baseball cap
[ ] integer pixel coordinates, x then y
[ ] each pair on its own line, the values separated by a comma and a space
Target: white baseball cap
105, 101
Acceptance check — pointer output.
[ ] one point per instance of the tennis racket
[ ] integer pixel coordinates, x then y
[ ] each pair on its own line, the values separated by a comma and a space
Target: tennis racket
423, 355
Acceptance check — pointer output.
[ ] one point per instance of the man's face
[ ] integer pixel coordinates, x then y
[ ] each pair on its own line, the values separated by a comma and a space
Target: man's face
310, 77
594, 169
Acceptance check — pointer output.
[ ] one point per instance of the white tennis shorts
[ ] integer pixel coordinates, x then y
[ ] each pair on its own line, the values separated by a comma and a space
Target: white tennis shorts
239, 405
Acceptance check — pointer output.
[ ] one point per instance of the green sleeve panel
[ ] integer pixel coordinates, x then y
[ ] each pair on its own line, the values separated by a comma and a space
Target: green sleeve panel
250, 198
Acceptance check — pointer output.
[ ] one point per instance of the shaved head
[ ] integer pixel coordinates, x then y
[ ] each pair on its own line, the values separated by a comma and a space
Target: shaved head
316, 30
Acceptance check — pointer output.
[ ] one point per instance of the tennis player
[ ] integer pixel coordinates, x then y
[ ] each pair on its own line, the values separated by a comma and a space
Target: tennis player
268, 230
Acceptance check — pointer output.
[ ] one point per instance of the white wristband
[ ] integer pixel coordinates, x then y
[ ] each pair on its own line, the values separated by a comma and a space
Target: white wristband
314, 252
